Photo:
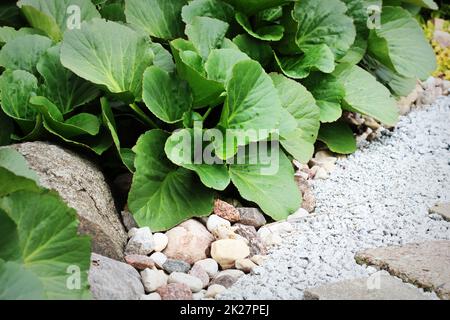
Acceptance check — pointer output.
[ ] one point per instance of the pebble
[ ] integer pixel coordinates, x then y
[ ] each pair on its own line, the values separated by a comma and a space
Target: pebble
214, 290
226, 211
298, 215
214, 222
159, 258
209, 265
190, 242
258, 259
175, 291
151, 296
254, 241
321, 173
194, 283
172, 265
252, 217
141, 242
227, 278
198, 272
139, 262
160, 241
245, 265
199, 295
153, 279
227, 251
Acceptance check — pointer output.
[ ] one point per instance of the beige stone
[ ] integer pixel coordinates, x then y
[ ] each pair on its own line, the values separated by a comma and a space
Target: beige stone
227, 251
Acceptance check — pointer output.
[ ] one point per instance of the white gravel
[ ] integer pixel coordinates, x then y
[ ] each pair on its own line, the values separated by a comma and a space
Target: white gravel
377, 197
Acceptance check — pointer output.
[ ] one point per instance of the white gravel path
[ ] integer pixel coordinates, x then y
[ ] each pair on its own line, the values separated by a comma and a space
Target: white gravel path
377, 197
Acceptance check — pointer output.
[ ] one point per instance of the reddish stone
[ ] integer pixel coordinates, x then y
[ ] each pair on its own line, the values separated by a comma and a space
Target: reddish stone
175, 291
226, 211
140, 262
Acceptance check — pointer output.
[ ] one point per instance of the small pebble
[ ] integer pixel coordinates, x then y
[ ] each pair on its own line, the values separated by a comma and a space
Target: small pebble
159, 258
210, 266
214, 221
214, 290
153, 279
194, 283
160, 241
172, 265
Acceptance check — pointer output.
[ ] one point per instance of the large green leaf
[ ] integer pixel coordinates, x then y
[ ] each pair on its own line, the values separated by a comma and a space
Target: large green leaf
159, 18
8, 33
266, 32
208, 8
16, 89
206, 34
163, 59
190, 68
109, 54
221, 62
167, 96
62, 86
318, 58
324, 22
400, 45
56, 16
23, 53
301, 104
17, 283
256, 49
126, 155
252, 103
338, 137
162, 195
270, 184
372, 98
328, 92
48, 246
254, 6
429, 4
181, 149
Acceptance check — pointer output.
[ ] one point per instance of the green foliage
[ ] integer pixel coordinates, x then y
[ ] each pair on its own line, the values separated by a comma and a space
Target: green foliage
39, 243
176, 71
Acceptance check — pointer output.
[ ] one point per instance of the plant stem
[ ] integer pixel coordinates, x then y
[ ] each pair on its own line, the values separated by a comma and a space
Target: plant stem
143, 116
207, 113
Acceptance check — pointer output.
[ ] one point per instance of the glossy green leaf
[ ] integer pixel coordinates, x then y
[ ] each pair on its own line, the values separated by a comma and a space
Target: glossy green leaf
208, 8
56, 16
23, 53
159, 18
9, 33
109, 54
163, 59
256, 49
166, 96
221, 62
268, 182
163, 195
254, 6
338, 137
266, 32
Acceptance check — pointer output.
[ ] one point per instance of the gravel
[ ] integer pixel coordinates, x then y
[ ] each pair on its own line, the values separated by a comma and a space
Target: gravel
377, 197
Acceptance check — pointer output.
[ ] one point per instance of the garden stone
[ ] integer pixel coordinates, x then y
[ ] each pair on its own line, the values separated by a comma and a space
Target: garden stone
139, 262
198, 272
141, 242
252, 217
159, 258
214, 222
227, 251
298, 215
258, 259
160, 241
113, 280
82, 185
199, 295
152, 296
194, 283
209, 265
245, 265
376, 287
226, 211
128, 220
153, 279
190, 242
227, 278
255, 242
172, 265
175, 291
214, 290
425, 264
442, 209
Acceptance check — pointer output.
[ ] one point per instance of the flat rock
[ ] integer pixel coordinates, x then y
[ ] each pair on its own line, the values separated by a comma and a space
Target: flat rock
114, 280
427, 264
175, 291
194, 283
442, 209
190, 242
82, 185
141, 241
226, 211
252, 217
227, 278
370, 288
255, 242
227, 251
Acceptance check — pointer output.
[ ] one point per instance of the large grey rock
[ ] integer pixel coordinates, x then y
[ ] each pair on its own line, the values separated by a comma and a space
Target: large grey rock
83, 187
384, 287
425, 264
114, 280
